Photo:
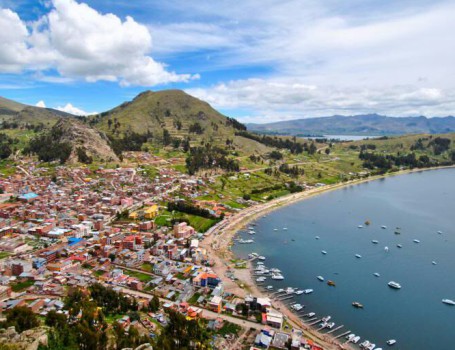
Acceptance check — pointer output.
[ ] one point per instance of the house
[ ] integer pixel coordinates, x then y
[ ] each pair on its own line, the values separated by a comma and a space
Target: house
273, 318
205, 279
215, 304
151, 212
183, 230
280, 340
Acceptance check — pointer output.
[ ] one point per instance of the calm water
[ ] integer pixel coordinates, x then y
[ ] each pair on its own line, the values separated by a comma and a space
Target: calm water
420, 204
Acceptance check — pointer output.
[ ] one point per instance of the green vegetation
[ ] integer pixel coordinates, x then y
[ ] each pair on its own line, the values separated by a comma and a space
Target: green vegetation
229, 328
20, 286
22, 318
144, 278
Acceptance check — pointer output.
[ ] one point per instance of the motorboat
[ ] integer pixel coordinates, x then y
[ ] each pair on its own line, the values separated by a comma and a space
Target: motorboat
317, 237
356, 339
416, 241
327, 318
324, 252
275, 229
371, 347
365, 344
434, 262
374, 241
399, 246
281, 290
261, 258
391, 342
308, 291
277, 276
358, 256
285, 228
311, 314
320, 278
297, 307
251, 232
377, 274
357, 305
360, 226
440, 232
350, 336
269, 287
395, 285
298, 292
331, 283
330, 325
386, 248
290, 290
448, 301
384, 227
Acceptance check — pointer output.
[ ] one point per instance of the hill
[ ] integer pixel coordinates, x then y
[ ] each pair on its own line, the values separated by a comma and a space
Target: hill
173, 110
369, 124
15, 112
70, 140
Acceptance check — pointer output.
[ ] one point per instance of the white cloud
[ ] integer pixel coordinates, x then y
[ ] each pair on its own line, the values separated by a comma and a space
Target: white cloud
69, 108
290, 98
80, 42
41, 104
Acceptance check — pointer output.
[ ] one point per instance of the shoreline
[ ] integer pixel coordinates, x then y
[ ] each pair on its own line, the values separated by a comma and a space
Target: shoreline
218, 242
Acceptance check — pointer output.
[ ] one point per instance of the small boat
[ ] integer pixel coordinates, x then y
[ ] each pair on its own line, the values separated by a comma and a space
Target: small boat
394, 285
285, 228
367, 222
440, 232
320, 278
290, 290
448, 301
317, 237
391, 342
356, 339
350, 336
281, 290
297, 307
331, 283
416, 241
434, 262
386, 248
260, 279
397, 232
324, 252
384, 227
261, 258
311, 314
374, 241
275, 229
360, 226
308, 291
399, 246
269, 287
358, 256
326, 319
277, 276
365, 344
371, 347
357, 305
251, 232
377, 274
330, 325
299, 292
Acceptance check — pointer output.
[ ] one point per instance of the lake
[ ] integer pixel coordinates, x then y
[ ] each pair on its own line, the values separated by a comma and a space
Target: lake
420, 204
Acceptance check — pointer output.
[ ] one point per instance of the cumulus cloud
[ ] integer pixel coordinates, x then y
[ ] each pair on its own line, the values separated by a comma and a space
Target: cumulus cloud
41, 104
80, 42
279, 99
69, 108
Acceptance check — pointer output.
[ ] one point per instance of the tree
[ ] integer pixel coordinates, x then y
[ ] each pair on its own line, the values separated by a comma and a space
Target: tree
22, 318
154, 304
166, 137
327, 151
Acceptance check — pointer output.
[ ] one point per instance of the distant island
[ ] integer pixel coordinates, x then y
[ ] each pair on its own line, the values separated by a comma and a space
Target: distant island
366, 124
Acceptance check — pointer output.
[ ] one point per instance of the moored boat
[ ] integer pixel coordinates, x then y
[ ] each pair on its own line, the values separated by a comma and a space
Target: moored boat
393, 284
320, 278
308, 291
357, 305
358, 256
374, 241
324, 252
416, 241
391, 342
448, 301
331, 283
377, 274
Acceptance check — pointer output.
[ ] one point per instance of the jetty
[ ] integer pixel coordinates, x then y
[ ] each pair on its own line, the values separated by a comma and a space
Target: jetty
335, 329
315, 322
343, 334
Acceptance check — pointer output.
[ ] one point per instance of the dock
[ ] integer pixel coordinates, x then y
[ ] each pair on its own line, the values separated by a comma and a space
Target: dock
313, 323
335, 329
343, 334
285, 297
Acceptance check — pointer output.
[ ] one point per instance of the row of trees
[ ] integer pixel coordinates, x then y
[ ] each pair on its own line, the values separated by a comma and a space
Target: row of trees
49, 147
290, 144
207, 157
189, 208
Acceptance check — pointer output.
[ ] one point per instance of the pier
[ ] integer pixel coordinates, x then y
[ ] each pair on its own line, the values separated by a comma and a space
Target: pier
285, 297
335, 329
313, 323
343, 334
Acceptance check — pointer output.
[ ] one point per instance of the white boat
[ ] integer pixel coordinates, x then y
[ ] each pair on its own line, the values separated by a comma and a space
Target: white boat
377, 274
281, 290
317, 237
260, 279
331, 325
297, 307
299, 292
395, 285
269, 287
360, 226
448, 301
261, 258
251, 232
365, 344
275, 229
350, 336
374, 241
371, 347
399, 246
324, 252
383, 227
434, 262
391, 342
290, 290
326, 319
285, 228
320, 278
416, 241
358, 256
311, 314
440, 232
356, 339
386, 248
277, 276
274, 270
308, 291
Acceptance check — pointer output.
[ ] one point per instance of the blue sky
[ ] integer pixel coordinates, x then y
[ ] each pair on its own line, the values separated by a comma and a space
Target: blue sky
258, 61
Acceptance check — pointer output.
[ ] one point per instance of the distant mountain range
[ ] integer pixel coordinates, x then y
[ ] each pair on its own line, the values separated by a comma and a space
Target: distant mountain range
367, 124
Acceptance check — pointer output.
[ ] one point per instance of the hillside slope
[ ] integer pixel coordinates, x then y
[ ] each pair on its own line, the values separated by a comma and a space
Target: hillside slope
179, 113
369, 124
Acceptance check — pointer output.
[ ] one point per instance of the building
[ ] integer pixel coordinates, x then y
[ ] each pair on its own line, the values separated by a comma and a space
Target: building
215, 304
151, 212
183, 230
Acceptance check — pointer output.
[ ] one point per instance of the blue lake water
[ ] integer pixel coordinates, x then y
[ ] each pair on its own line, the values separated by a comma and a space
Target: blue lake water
420, 204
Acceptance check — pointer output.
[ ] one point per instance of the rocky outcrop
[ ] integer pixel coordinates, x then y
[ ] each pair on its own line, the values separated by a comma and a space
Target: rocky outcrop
27, 340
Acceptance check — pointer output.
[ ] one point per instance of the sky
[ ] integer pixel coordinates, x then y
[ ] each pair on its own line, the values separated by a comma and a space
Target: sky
258, 61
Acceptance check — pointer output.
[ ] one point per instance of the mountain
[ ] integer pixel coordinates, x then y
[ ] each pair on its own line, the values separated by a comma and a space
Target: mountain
368, 124
180, 114
12, 111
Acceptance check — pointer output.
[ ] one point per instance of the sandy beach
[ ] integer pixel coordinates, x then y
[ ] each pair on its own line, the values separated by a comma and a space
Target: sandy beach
218, 242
